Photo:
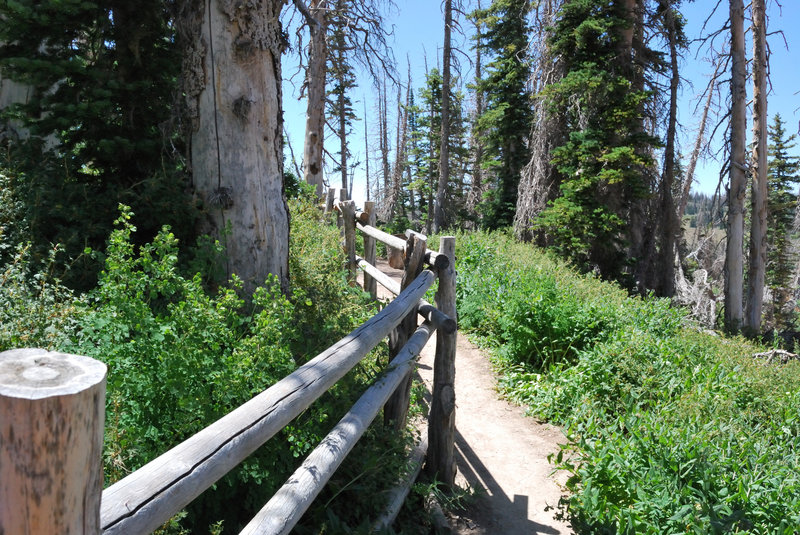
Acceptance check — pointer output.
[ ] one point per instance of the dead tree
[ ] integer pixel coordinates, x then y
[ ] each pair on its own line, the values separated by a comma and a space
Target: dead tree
734, 272
539, 181
758, 217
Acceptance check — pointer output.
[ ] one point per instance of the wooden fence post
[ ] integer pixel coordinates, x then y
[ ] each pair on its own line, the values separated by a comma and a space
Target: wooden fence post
396, 409
370, 284
348, 211
329, 200
441, 462
52, 408
339, 220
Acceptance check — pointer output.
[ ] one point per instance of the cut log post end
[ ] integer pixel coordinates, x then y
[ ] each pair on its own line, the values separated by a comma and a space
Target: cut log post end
51, 442
437, 260
35, 374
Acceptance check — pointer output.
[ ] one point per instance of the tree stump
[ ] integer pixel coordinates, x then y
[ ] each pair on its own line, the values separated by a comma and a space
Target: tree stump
52, 409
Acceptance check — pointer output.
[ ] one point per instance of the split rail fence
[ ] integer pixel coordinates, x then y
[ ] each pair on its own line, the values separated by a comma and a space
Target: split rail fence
52, 409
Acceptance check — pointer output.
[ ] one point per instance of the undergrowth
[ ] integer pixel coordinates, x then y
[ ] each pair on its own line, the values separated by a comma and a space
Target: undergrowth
181, 354
668, 429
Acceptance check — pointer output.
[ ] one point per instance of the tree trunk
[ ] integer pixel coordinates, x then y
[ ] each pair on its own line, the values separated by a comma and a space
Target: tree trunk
539, 181
687, 184
670, 224
342, 108
397, 175
366, 151
758, 228
444, 152
474, 198
232, 83
738, 182
316, 74
400, 150
11, 93
384, 142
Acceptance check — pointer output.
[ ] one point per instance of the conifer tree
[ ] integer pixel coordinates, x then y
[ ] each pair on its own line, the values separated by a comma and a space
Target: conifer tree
606, 160
782, 204
340, 107
503, 37
102, 115
431, 123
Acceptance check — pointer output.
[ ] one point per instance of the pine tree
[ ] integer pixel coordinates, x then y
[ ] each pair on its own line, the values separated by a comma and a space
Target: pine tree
782, 204
606, 160
431, 123
103, 118
505, 123
340, 107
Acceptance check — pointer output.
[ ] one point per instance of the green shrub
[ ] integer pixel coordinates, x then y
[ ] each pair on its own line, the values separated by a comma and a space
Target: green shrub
181, 355
668, 430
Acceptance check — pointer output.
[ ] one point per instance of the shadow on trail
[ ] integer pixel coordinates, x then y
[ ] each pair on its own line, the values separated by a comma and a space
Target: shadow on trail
501, 505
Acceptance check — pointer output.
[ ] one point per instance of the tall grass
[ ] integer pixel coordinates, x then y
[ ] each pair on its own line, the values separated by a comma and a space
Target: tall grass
668, 429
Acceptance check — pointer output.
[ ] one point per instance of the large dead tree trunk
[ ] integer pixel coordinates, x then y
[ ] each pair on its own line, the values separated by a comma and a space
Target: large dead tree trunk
758, 218
539, 181
670, 224
444, 152
384, 143
366, 150
232, 83
734, 273
316, 74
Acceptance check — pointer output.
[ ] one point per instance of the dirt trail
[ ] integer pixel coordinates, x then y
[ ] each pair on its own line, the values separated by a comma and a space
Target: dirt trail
501, 453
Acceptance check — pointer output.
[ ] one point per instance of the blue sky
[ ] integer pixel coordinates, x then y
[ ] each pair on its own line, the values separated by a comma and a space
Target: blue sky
418, 31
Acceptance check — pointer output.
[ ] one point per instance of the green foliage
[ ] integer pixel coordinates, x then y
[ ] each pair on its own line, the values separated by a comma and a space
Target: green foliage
668, 430
179, 359
505, 124
36, 310
606, 162
180, 356
783, 178
103, 121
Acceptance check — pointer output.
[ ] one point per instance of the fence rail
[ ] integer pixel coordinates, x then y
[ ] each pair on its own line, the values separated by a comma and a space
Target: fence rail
33, 382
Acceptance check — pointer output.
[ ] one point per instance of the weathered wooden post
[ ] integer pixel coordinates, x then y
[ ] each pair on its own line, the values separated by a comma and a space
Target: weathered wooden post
442, 418
348, 212
370, 284
52, 409
329, 200
339, 220
396, 408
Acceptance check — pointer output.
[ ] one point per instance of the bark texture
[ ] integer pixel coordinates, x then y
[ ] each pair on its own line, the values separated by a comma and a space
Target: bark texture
670, 224
316, 74
232, 83
539, 182
738, 182
51, 432
758, 228
444, 152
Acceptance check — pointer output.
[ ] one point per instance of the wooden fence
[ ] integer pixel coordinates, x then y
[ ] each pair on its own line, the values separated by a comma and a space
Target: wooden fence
52, 408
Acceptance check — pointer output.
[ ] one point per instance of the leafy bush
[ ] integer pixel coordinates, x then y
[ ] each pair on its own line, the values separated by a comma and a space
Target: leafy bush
668, 430
180, 356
